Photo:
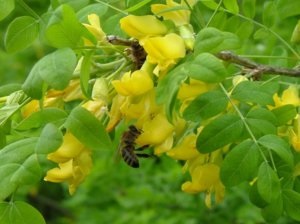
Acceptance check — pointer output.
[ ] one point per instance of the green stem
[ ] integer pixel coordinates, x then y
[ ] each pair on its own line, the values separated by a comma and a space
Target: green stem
115, 8
28, 9
248, 128
215, 12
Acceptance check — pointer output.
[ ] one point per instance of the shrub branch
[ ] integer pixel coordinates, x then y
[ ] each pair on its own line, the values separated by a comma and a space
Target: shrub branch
256, 69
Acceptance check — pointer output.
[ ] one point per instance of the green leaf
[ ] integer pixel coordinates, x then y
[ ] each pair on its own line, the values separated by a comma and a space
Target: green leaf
85, 74
240, 164
255, 197
268, 183
168, 87
273, 211
212, 136
211, 4
41, 118
97, 8
64, 30
87, 129
138, 5
249, 8
205, 106
20, 33
50, 139
269, 14
291, 203
284, 114
231, 5
34, 85
7, 6
296, 34
213, 40
76, 5
261, 122
287, 8
279, 146
252, 92
18, 166
7, 89
206, 67
19, 212
55, 69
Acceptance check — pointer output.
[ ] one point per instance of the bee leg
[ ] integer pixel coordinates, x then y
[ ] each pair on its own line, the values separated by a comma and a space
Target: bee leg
141, 148
143, 155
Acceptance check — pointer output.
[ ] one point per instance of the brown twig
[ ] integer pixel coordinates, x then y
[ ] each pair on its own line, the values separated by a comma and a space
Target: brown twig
256, 68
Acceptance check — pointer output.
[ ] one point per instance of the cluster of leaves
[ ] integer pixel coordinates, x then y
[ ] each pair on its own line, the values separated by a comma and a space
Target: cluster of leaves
250, 129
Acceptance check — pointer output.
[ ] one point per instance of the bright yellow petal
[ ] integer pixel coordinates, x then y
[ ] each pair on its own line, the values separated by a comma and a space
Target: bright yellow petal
61, 174
70, 148
155, 131
142, 26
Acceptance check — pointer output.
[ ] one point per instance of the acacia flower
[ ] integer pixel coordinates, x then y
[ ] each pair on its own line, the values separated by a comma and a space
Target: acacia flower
164, 51
186, 149
170, 11
94, 27
140, 27
155, 131
205, 178
133, 84
294, 134
74, 161
289, 96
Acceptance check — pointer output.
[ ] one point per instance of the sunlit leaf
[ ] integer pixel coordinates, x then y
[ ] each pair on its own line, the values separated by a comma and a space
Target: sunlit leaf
268, 183
18, 166
291, 203
21, 33
85, 127
279, 146
212, 136
97, 8
7, 6
213, 40
231, 5
284, 114
240, 164
205, 106
19, 212
206, 67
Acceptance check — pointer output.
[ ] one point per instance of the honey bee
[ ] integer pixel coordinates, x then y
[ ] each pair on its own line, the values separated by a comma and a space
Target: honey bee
127, 147
135, 51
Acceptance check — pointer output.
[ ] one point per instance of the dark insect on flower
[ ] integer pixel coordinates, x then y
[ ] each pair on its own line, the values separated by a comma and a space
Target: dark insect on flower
127, 147
135, 51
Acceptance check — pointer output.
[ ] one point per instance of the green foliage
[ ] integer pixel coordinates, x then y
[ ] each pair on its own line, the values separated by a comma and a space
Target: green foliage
240, 164
19, 212
88, 129
241, 110
21, 33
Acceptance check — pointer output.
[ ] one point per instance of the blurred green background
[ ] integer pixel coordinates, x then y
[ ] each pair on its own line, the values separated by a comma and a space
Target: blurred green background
116, 193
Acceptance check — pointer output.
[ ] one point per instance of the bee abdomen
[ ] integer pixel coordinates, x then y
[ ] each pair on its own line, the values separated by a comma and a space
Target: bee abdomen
130, 158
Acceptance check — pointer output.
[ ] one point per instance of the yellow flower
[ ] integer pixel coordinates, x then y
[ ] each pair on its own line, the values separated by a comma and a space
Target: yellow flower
164, 51
155, 131
170, 11
140, 27
289, 96
205, 178
294, 134
133, 84
186, 149
96, 107
194, 88
95, 28
74, 161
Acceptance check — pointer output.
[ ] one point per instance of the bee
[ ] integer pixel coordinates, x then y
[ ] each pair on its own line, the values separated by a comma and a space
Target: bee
127, 147
135, 51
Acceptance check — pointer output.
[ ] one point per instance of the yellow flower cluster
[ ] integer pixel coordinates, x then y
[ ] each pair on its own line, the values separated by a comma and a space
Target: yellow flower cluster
74, 161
